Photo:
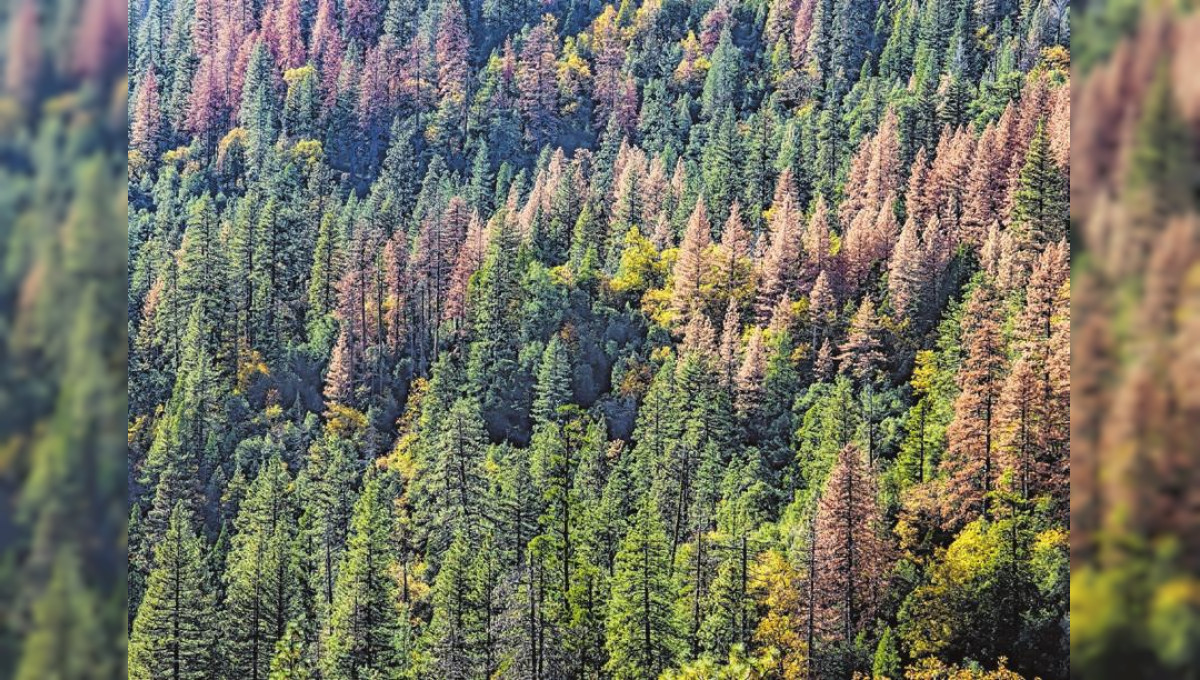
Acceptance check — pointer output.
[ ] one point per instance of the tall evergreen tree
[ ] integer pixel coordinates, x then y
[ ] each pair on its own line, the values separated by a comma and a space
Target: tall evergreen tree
173, 632
643, 639
366, 620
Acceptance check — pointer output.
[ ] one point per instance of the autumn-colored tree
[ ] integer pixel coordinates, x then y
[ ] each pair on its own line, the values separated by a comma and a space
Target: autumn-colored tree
1021, 415
470, 259
285, 40
817, 243
536, 80
971, 467
145, 131
868, 240
395, 278
453, 49
908, 282
608, 45
688, 274
781, 263
850, 548
730, 274
862, 353
363, 20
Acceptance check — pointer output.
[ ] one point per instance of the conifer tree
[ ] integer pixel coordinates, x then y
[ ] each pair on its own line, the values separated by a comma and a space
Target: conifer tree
861, 354
328, 499
259, 106
457, 625
721, 162
849, 548
1039, 199
721, 82
365, 623
908, 276
63, 640
290, 661
173, 632
456, 478
183, 436
643, 639
145, 131
971, 466
688, 273
536, 81
261, 589
553, 388
781, 263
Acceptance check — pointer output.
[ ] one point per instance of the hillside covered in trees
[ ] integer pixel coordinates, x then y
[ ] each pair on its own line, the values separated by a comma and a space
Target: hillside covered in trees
565, 340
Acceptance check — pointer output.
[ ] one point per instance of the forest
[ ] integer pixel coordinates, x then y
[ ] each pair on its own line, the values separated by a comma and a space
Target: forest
552, 340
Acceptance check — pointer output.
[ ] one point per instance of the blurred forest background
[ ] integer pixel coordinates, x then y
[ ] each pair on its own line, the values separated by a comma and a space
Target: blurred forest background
564, 339
62, 339
1135, 595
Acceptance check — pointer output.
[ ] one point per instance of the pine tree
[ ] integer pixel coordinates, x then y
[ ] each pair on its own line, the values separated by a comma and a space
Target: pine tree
288, 44
817, 242
184, 435
971, 466
261, 590
658, 427
173, 633
642, 639
365, 621
363, 20
326, 269
1158, 177
688, 273
850, 548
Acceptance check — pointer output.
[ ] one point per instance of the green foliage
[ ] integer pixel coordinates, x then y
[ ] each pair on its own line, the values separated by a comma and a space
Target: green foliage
366, 621
515, 341
642, 639
173, 632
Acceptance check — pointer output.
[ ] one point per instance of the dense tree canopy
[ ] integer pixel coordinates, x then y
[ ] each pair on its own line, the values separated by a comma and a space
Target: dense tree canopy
663, 339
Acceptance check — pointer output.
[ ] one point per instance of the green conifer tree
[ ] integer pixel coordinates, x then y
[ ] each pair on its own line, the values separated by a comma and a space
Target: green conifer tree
173, 633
